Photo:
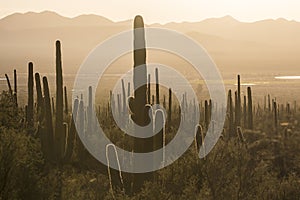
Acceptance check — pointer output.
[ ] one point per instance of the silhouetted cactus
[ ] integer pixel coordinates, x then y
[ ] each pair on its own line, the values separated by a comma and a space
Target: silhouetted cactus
206, 114
9, 86
170, 108
123, 97
47, 137
115, 176
199, 138
269, 103
30, 101
80, 121
159, 137
275, 115
39, 97
237, 110
245, 111
71, 133
128, 90
250, 114
15, 88
241, 137
157, 86
90, 110
137, 104
230, 114
238, 103
149, 89
59, 129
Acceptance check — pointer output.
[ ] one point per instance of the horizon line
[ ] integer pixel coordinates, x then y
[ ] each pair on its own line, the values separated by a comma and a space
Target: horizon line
123, 20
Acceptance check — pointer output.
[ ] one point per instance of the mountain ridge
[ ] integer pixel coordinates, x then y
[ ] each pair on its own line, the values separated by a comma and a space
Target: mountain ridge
234, 45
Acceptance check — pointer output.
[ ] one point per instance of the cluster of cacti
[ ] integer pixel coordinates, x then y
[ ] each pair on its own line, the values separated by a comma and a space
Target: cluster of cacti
58, 130
56, 141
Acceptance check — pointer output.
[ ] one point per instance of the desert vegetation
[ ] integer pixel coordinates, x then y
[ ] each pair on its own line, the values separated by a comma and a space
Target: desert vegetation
42, 157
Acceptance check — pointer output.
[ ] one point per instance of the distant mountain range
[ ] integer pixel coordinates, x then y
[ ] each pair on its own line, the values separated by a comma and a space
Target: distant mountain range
267, 45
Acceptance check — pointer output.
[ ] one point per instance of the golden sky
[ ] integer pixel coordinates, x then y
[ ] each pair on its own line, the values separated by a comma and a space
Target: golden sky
161, 10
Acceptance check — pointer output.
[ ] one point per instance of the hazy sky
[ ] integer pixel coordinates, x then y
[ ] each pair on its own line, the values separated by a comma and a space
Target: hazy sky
161, 10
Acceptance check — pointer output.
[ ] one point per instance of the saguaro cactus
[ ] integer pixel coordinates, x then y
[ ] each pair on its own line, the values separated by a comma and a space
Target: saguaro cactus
115, 177
59, 128
137, 104
250, 114
149, 89
39, 97
30, 96
199, 138
15, 88
47, 133
90, 110
123, 97
230, 114
157, 86
170, 108
245, 111
159, 137
206, 114
238, 104
71, 132
275, 115
8, 84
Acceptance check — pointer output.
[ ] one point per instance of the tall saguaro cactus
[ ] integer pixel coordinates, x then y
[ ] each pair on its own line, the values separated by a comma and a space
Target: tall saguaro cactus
30, 96
59, 128
137, 104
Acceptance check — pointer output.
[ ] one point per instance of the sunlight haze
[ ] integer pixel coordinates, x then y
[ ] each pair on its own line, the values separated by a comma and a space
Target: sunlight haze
156, 11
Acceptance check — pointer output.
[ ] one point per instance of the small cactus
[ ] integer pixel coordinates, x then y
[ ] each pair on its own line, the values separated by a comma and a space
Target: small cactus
250, 114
